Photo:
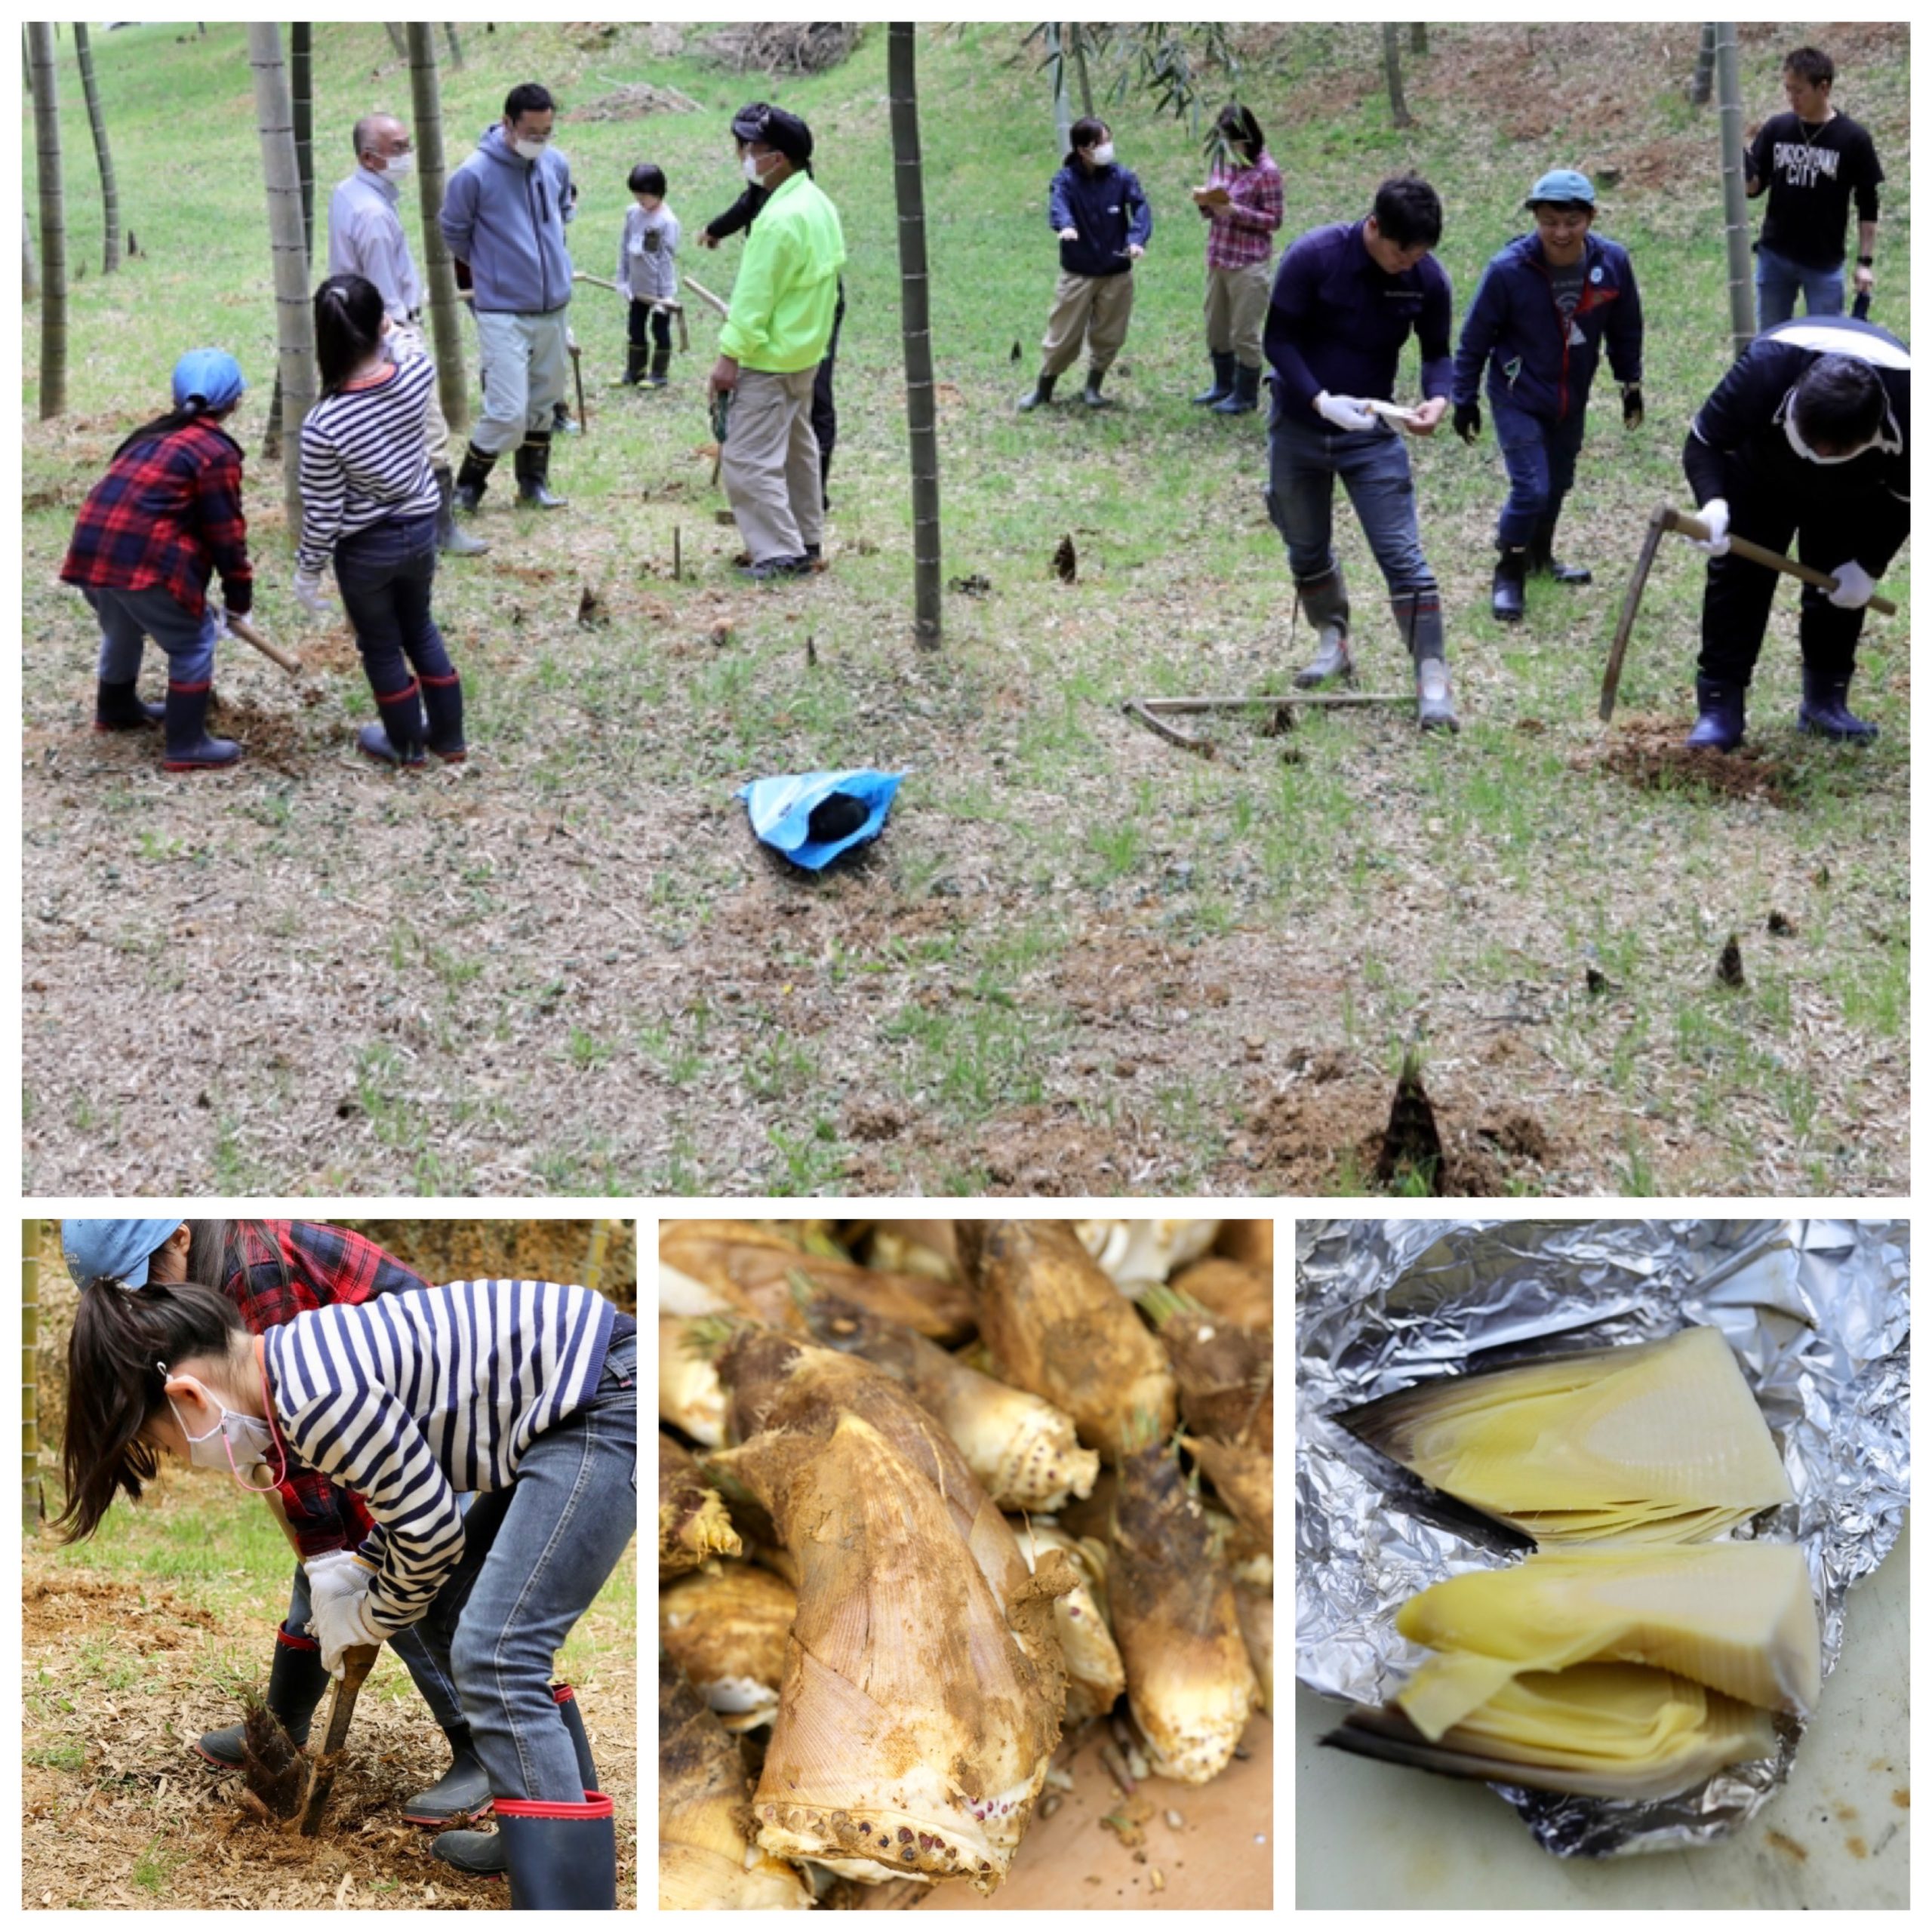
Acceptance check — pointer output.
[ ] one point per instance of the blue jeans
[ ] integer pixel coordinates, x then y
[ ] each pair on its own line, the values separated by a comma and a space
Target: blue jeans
385, 573
432, 1678
1302, 466
129, 617
1541, 458
1780, 279
534, 1556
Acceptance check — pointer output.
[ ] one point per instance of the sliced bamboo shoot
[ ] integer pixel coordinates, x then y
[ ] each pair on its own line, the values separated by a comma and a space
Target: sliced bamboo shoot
1660, 1442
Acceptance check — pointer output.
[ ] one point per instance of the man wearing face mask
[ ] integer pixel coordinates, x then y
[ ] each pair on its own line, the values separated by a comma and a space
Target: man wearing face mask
783, 304
367, 237
503, 216
1809, 436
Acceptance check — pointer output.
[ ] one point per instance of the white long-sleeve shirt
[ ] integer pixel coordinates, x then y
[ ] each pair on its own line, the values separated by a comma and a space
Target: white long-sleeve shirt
408, 1399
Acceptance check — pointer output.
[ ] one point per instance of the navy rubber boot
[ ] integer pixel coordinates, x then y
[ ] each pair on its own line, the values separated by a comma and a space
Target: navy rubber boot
117, 708
1720, 725
461, 1791
189, 747
562, 1857
1245, 397
1223, 384
1822, 709
573, 1717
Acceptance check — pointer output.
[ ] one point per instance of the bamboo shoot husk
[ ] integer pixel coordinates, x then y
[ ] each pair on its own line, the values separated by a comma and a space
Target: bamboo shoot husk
1244, 1479
689, 1397
1225, 1373
1233, 1290
693, 1526
727, 1630
1134, 1254
1256, 1610
1095, 1675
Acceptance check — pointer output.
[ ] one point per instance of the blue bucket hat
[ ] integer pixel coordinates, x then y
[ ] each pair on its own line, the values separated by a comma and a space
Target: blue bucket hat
121, 1250
212, 375
1562, 184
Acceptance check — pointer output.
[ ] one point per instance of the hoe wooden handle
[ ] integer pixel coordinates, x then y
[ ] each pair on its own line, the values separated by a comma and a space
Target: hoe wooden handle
1688, 526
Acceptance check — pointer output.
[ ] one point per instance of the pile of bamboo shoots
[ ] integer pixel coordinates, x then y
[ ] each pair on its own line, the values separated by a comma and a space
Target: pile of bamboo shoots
936, 1502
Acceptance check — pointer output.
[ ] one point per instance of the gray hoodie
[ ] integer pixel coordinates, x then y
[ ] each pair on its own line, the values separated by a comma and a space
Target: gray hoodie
505, 217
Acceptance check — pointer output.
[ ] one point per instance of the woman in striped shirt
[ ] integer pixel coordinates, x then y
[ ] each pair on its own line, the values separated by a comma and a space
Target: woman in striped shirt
524, 1392
369, 499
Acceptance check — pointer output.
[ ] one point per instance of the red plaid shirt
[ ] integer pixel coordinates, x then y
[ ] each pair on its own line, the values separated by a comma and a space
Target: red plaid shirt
166, 516
308, 1266
1242, 233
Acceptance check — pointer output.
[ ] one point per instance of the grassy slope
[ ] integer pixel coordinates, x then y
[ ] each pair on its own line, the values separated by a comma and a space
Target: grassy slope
1079, 959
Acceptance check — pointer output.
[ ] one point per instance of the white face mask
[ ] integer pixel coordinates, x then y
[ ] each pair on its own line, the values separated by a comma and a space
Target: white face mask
1803, 449
530, 150
398, 165
235, 1442
751, 171
1103, 154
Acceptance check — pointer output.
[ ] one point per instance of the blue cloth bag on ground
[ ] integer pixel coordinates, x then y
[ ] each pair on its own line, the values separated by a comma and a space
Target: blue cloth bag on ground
813, 817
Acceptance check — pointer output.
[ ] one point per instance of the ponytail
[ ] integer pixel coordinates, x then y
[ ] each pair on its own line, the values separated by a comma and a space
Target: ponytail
115, 1384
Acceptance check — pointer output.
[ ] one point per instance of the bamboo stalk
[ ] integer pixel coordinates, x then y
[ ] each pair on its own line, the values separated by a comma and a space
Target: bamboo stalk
33, 1504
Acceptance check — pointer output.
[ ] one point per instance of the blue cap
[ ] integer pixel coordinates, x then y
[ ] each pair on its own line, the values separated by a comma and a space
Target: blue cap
1562, 184
119, 1250
213, 374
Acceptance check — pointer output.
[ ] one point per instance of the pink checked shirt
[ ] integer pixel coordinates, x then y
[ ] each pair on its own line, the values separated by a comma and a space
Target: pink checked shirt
1242, 233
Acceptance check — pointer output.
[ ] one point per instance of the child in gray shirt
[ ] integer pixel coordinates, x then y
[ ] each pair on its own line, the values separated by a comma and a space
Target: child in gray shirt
647, 275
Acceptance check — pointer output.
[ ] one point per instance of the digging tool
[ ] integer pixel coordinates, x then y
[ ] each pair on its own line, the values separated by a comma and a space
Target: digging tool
669, 308
577, 366
1153, 712
356, 1664
248, 633
1665, 518
704, 294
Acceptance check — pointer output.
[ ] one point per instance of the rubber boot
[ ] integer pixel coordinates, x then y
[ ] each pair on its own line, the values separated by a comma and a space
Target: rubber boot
563, 423
442, 709
1822, 709
533, 472
1246, 395
1325, 601
482, 1854
1090, 395
1542, 560
1223, 384
1042, 391
1505, 590
117, 708
660, 367
568, 1710
636, 359
1720, 725
824, 478
461, 1791
562, 1857
189, 747
297, 1680
473, 478
1419, 618
451, 538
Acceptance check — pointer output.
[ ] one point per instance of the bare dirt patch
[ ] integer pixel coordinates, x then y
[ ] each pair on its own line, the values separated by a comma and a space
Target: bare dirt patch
1650, 753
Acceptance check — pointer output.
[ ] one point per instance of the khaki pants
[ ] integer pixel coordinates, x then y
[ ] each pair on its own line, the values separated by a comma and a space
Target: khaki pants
406, 339
525, 362
1094, 305
771, 466
1236, 306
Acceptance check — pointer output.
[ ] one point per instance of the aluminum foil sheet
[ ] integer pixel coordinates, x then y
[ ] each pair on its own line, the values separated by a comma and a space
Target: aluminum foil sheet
1816, 1312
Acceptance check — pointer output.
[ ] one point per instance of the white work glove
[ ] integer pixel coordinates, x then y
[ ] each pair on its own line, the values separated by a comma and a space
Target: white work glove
341, 1622
1715, 517
310, 594
221, 629
1069, 235
1855, 586
1344, 411
336, 1573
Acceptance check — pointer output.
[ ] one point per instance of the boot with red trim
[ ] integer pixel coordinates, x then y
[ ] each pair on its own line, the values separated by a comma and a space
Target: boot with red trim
562, 1857
297, 1680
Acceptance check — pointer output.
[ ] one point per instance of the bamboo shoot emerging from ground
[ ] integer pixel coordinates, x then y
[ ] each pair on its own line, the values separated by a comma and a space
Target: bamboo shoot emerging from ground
692, 1525
706, 1859
1095, 1676
1662, 1441
1054, 1324
1226, 1372
727, 1632
923, 1685
1189, 1678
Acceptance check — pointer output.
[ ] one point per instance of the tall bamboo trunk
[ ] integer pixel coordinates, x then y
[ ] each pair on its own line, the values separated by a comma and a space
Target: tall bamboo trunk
53, 220
33, 1499
915, 325
1077, 37
110, 197
1737, 222
1392, 62
295, 335
456, 44
1707, 54
301, 86
1062, 101
396, 39
425, 96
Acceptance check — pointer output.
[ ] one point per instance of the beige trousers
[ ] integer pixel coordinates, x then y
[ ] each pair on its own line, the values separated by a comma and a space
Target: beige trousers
407, 339
770, 467
1236, 307
1096, 306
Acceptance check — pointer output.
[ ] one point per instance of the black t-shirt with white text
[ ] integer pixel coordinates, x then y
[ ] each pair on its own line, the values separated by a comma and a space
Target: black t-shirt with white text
1811, 174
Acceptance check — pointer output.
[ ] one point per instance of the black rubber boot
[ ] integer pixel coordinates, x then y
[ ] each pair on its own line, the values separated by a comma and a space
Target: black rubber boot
1542, 559
473, 478
636, 360
573, 1718
824, 478
562, 1857
397, 740
1245, 396
442, 709
116, 708
1822, 710
1325, 600
660, 367
189, 747
297, 1680
1042, 391
1090, 395
533, 473
482, 1853
1720, 725
1223, 384
563, 423
461, 1791
1419, 618
1505, 590
451, 538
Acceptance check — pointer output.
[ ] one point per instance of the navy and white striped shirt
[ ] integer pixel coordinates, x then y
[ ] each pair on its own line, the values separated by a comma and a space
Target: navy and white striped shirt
363, 459
409, 1398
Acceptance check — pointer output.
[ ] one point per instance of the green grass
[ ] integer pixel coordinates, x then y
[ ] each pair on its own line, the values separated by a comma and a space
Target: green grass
575, 967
